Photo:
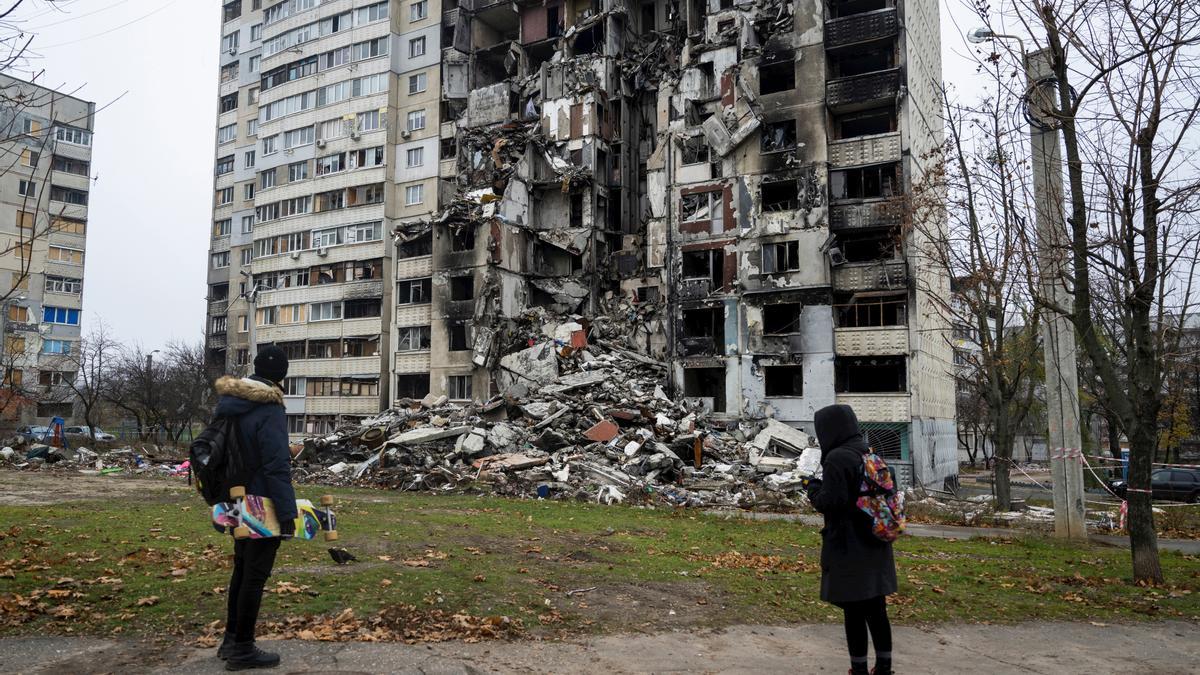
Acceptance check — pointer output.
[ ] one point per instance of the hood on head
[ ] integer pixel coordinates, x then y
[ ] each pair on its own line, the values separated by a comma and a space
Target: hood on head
239, 396
835, 424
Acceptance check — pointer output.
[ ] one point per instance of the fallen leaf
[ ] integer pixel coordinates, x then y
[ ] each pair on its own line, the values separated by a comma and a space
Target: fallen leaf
148, 601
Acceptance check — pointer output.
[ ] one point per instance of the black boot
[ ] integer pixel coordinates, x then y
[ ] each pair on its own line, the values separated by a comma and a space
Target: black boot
226, 647
246, 656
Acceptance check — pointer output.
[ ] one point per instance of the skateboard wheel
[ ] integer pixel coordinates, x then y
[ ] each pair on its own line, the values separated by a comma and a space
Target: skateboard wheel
241, 532
331, 535
237, 492
326, 500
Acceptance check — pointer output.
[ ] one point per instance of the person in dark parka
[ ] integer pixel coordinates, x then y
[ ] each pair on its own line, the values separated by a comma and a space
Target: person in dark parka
257, 402
857, 569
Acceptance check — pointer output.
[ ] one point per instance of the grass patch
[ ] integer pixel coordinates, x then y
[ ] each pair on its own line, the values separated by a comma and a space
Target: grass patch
155, 567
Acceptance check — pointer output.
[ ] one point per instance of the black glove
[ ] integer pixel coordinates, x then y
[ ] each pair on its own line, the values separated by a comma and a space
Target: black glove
811, 485
287, 529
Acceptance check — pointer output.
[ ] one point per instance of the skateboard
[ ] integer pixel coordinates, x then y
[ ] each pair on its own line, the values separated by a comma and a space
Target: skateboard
253, 517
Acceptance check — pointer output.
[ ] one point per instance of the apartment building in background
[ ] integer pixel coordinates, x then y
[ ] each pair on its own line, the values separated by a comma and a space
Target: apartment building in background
44, 191
735, 171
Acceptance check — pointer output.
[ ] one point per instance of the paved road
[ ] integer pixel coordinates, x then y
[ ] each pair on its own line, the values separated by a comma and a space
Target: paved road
1039, 648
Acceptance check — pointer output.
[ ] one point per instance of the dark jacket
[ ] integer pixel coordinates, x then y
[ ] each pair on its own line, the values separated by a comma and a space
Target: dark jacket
855, 565
264, 437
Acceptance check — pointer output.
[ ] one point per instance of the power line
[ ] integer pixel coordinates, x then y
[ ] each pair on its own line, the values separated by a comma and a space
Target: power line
110, 30
77, 17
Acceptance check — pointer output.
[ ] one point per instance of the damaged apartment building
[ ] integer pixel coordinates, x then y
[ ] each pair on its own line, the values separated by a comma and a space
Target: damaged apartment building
727, 176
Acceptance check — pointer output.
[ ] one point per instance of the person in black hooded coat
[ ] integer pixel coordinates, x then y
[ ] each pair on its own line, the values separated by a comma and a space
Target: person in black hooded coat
858, 571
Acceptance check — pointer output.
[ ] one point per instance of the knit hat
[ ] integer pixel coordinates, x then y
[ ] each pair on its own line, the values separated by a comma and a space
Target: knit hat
271, 364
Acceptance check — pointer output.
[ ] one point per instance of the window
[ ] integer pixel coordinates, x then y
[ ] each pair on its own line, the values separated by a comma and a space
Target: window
295, 422
458, 387
225, 165
871, 182
68, 195
69, 165
54, 378
370, 84
414, 291
413, 339
784, 380
418, 10
413, 194
222, 228
416, 83
72, 256
462, 238
60, 315
416, 47
30, 127
287, 106
293, 386
297, 171
361, 346
298, 137
248, 191
333, 129
776, 77
218, 292
365, 158
362, 309
331, 164
229, 103
781, 318
459, 337
64, 285
68, 225
266, 179
695, 150
256, 32
54, 347
25, 220
225, 196
414, 157
368, 50
220, 260
416, 120
327, 238
247, 256
252, 127
324, 349
371, 13
73, 136
27, 188
29, 158
289, 314
781, 195
869, 374
229, 72
220, 324
415, 248
18, 314
357, 234
462, 287
703, 206
778, 136
782, 256
325, 311
412, 386
229, 43
369, 121
270, 145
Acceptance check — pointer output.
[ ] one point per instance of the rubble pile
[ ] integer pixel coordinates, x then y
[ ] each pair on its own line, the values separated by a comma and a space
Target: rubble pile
575, 420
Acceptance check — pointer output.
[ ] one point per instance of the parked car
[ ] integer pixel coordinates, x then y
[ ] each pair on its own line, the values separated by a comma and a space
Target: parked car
1180, 485
34, 434
84, 433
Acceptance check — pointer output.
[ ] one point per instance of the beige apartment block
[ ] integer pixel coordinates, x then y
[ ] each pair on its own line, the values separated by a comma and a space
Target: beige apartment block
44, 191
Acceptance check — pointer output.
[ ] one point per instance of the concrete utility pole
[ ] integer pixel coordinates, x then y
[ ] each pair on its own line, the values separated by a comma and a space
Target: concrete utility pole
1063, 439
1058, 333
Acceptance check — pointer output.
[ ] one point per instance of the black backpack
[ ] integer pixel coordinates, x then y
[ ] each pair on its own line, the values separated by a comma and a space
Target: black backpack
216, 460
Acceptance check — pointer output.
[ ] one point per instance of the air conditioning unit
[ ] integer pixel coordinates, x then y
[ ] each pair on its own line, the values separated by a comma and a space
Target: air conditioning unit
296, 255
836, 258
233, 51
321, 143
405, 133
322, 251
354, 134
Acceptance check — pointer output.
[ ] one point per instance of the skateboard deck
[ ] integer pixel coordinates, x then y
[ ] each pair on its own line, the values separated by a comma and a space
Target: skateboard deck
258, 515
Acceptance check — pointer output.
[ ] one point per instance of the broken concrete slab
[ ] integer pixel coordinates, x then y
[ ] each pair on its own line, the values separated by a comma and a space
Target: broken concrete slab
603, 431
509, 461
426, 435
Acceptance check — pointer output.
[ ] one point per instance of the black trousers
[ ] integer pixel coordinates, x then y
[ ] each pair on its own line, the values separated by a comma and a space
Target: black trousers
252, 563
861, 616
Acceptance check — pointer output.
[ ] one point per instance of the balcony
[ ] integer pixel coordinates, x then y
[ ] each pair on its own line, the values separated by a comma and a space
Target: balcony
858, 28
880, 213
863, 150
217, 341
862, 91
882, 340
878, 407
450, 17
703, 345
695, 289
218, 307
871, 276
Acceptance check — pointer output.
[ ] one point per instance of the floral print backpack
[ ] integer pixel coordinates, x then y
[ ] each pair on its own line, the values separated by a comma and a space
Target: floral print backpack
879, 499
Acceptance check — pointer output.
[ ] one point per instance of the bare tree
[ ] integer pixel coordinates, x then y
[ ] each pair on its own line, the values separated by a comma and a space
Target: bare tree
92, 361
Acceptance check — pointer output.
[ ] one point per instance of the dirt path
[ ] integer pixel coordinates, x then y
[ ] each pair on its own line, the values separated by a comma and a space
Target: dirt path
1040, 648
31, 488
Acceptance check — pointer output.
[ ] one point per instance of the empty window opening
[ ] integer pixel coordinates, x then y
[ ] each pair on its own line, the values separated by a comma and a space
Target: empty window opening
840, 8
361, 309
703, 206
883, 246
648, 294
781, 318
361, 346
577, 210
865, 310
869, 182
778, 136
781, 195
647, 17
415, 248
725, 24
462, 238
590, 41
449, 148
462, 288
776, 77
861, 61
865, 124
412, 386
459, 337
870, 374
784, 380
703, 331
708, 264
414, 291
324, 349
413, 338
555, 262
706, 383
782, 256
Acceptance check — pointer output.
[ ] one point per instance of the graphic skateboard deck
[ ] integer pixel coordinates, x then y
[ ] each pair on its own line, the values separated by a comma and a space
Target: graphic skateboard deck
257, 515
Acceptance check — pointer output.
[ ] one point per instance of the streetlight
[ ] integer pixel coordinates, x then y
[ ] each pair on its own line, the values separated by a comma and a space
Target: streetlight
1064, 442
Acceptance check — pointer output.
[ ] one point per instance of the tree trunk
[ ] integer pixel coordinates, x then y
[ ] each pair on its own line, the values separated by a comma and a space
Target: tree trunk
1002, 450
1114, 435
1143, 541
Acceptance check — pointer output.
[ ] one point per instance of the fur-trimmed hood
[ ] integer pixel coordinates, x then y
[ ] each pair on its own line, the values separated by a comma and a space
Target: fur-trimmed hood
249, 389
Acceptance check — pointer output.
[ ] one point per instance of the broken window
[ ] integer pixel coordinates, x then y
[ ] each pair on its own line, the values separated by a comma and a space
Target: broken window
293, 350
647, 294
415, 248
414, 291
361, 346
695, 150
778, 136
872, 309
706, 383
781, 195
413, 338
577, 210
707, 264
777, 76
218, 292
362, 309
870, 374
840, 8
703, 331
462, 287
868, 182
861, 61
782, 256
870, 247
366, 269
781, 318
449, 148
703, 206
462, 238
458, 387
647, 18
460, 337
414, 386
865, 123
324, 349
784, 380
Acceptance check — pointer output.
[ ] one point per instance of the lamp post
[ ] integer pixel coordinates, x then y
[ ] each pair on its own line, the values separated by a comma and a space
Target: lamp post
1063, 439
150, 380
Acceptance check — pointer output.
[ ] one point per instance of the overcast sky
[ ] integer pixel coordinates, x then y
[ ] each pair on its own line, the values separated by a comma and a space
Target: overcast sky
152, 66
